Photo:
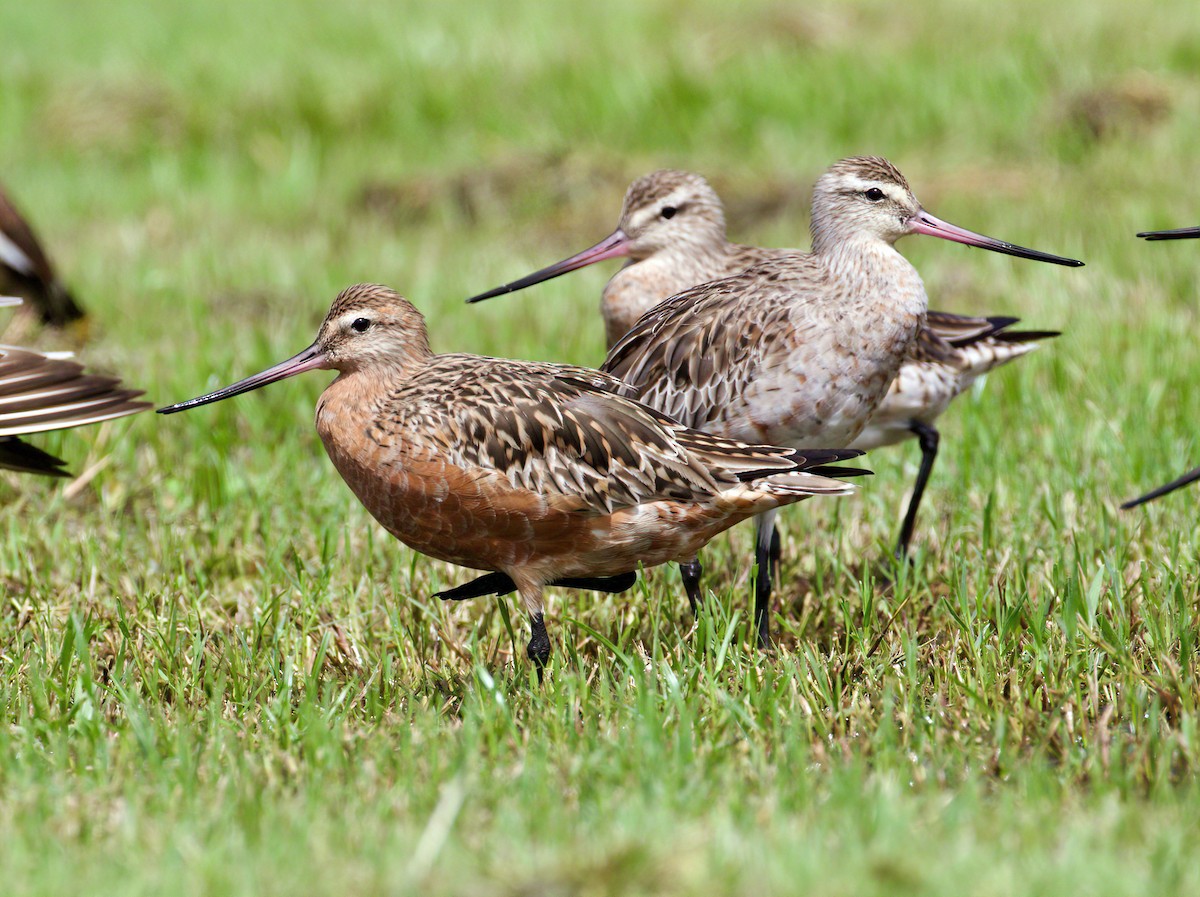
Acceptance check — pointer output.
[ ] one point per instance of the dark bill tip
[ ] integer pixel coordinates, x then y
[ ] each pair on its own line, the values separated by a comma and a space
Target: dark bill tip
614, 245
1183, 233
1190, 477
924, 223
310, 359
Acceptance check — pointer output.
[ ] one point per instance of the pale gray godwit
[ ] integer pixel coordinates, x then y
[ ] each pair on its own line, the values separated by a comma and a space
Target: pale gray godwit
40, 392
802, 348
537, 472
26, 270
1183, 233
672, 228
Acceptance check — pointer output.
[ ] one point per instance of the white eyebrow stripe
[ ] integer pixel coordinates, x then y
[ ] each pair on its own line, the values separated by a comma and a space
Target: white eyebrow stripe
680, 196
856, 184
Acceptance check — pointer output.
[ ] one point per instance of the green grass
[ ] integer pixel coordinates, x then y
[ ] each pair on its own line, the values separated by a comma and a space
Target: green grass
217, 675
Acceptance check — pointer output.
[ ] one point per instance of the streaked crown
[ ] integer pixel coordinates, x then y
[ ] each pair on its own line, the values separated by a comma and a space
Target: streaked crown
372, 324
861, 197
669, 210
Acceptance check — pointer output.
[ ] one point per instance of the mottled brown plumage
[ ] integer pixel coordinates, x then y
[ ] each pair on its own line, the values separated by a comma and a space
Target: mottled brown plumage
950, 353
541, 472
42, 392
26, 270
799, 348
672, 227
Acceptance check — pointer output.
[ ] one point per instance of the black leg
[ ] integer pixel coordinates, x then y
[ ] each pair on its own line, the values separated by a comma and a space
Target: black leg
927, 438
691, 573
767, 550
488, 584
502, 584
762, 598
611, 584
539, 643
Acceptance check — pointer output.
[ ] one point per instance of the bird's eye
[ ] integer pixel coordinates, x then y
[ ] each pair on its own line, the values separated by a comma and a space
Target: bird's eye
360, 325
874, 194
668, 211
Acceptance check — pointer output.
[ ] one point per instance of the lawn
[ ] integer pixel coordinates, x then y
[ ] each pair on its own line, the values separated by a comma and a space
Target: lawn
219, 676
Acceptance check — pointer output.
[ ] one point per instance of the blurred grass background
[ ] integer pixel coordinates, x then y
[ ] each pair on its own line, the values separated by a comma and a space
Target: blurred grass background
216, 674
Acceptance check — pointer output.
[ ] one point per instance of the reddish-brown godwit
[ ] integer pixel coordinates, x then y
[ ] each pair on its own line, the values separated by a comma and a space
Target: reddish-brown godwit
1183, 233
26, 270
537, 472
672, 228
802, 348
40, 392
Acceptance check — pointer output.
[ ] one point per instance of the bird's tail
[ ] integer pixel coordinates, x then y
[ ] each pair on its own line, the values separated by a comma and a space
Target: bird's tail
978, 358
21, 457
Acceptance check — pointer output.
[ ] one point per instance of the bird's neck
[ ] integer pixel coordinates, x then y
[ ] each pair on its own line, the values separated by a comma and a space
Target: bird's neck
694, 262
873, 267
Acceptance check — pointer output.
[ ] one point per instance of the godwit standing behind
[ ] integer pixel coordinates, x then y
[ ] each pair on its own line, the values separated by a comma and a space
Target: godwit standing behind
1183, 233
40, 392
800, 349
26, 270
538, 472
672, 228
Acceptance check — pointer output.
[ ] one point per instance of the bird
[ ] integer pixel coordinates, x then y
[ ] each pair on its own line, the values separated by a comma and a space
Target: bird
537, 473
1183, 233
672, 229
44, 391
26, 270
799, 348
